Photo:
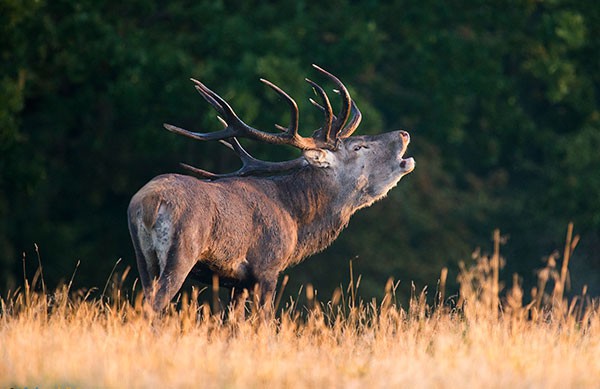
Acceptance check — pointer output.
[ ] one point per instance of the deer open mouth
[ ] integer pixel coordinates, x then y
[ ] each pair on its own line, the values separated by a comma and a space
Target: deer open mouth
407, 164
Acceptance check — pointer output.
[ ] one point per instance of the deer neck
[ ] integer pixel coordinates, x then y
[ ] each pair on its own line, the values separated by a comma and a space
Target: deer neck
313, 200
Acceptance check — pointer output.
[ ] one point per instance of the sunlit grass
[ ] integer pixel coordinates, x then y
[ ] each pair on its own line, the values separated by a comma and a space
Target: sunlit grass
489, 337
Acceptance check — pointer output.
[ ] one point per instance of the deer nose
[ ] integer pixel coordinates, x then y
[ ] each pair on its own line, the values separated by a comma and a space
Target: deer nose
405, 136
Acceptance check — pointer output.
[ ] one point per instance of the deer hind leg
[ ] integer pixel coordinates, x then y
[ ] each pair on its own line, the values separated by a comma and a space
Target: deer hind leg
176, 269
146, 259
147, 273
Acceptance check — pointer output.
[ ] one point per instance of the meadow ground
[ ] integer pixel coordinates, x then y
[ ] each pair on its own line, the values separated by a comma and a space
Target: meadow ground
487, 339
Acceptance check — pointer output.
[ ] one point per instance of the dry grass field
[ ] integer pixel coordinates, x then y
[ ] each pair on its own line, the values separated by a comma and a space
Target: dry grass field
492, 337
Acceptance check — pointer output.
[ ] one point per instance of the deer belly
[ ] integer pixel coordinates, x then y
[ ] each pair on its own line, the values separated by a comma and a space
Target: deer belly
204, 272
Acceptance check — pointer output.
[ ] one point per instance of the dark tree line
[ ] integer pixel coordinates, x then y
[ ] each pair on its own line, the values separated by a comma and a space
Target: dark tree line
502, 102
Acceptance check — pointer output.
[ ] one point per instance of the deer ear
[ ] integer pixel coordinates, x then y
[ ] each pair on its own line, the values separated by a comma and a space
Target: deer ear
319, 157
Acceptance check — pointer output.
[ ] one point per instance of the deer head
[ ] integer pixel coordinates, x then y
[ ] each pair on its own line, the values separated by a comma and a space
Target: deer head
330, 147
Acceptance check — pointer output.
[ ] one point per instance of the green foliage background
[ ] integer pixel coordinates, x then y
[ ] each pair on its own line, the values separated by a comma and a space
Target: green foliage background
501, 99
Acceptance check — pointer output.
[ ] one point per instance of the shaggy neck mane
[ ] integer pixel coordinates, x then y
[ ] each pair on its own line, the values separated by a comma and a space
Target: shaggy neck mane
312, 199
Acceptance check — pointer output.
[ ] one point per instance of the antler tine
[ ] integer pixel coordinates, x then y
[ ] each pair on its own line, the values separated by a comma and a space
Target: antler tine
354, 122
233, 144
293, 127
204, 174
324, 133
319, 106
207, 94
249, 164
342, 117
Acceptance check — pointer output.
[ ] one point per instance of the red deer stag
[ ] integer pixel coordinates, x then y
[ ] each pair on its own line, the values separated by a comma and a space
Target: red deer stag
248, 226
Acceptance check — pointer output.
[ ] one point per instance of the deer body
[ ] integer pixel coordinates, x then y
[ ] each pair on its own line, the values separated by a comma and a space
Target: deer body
247, 230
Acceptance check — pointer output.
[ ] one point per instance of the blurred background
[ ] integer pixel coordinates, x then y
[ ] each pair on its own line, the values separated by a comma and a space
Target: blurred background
502, 100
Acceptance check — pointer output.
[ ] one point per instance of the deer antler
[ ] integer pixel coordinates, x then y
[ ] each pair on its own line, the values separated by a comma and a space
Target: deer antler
235, 127
249, 164
334, 128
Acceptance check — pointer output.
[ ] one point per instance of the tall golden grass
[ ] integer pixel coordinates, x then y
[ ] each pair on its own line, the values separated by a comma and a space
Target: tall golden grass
491, 337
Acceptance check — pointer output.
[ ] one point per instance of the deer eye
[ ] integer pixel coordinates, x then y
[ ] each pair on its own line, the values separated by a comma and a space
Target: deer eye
358, 147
